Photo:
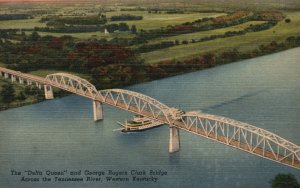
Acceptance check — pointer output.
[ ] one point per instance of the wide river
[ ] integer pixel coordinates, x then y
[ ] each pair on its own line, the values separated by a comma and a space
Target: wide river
59, 136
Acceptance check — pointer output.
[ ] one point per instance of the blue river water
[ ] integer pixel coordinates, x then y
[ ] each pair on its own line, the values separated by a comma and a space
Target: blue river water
60, 135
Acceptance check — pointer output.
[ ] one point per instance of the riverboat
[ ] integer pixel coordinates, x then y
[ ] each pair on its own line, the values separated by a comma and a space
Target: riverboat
139, 123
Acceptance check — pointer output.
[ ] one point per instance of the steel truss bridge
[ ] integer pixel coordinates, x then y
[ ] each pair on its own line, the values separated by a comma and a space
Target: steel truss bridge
227, 131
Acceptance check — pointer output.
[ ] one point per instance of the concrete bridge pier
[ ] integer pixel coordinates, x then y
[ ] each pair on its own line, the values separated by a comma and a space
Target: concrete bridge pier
6, 75
21, 80
97, 110
13, 78
48, 92
38, 85
174, 142
29, 82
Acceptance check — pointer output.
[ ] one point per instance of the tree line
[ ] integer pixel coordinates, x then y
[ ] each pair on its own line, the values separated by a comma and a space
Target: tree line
206, 24
166, 44
15, 16
99, 19
8, 94
86, 28
125, 17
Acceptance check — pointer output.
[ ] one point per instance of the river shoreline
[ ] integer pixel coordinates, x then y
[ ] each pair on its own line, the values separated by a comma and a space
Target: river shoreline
15, 104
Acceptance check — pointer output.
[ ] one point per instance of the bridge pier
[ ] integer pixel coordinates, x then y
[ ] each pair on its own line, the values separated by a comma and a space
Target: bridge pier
29, 82
6, 75
13, 78
48, 92
21, 80
97, 110
38, 85
174, 142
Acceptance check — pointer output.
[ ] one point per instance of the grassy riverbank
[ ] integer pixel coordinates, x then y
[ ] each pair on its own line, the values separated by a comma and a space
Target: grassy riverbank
17, 101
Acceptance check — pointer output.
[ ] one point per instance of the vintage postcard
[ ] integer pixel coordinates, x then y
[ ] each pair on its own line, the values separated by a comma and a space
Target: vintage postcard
136, 93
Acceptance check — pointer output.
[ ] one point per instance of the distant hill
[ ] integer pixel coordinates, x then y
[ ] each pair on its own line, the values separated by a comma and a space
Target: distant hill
295, 3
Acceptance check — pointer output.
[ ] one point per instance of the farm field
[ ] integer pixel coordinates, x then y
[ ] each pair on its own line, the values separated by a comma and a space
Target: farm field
44, 73
202, 34
87, 35
21, 24
154, 21
150, 21
243, 43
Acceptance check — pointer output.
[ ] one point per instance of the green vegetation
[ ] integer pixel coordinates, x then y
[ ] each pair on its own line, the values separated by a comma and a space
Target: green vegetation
202, 34
86, 20
14, 16
125, 17
156, 21
45, 72
166, 44
152, 21
108, 64
87, 35
284, 181
244, 43
14, 95
23, 24
7, 93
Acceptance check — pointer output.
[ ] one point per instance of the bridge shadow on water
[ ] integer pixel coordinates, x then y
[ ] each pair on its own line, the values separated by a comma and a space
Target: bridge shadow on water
236, 100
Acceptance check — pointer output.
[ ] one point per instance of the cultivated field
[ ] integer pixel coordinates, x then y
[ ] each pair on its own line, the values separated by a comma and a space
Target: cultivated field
44, 73
150, 21
202, 34
243, 43
154, 20
87, 35
21, 24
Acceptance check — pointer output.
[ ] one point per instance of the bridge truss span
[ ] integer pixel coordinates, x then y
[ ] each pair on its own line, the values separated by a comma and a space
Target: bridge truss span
124, 99
243, 136
137, 103
73, 84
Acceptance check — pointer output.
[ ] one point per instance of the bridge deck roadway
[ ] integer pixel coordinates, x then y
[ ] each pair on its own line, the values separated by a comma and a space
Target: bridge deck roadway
240, 145
39, 79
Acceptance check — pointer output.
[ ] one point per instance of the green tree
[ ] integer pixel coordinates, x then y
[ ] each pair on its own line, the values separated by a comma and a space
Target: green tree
102, 19
34, 36
21, 96
288, 20
7, 93
284, 181
133, 29
185, 42
23, 35
123, 27
55, 23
